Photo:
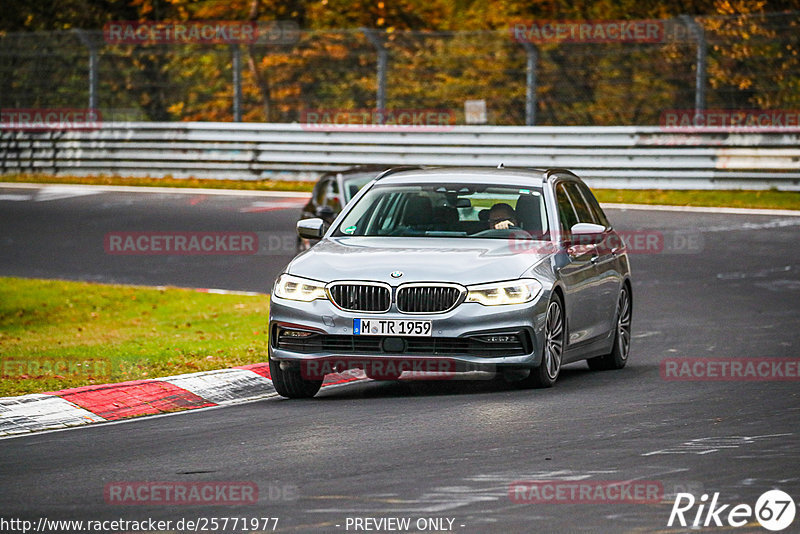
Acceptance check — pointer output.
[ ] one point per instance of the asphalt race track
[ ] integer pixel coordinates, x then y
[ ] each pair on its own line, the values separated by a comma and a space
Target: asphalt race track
721, 286
59, 232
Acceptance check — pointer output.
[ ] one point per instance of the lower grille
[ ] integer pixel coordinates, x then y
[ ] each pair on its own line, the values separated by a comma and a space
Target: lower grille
416, 346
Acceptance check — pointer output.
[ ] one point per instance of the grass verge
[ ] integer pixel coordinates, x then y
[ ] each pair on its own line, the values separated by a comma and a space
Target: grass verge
769, 199
56, 334
248, 185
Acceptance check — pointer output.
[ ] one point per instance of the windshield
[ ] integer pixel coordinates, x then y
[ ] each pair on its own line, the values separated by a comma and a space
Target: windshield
448, 210
354, 182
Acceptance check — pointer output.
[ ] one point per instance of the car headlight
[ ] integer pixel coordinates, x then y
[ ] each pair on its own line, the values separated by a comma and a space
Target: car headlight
510, 292
296, 288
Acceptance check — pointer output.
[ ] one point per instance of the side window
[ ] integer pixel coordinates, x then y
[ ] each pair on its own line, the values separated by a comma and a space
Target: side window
332, 195
319, 192
585, 214
597, 211
388, 213
566, 213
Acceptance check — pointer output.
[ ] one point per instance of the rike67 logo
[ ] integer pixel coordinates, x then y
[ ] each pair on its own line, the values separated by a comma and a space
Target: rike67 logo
774, 510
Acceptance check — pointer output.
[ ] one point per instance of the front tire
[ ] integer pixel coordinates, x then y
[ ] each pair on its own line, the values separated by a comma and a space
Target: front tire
546, 374
290, 383
618, 356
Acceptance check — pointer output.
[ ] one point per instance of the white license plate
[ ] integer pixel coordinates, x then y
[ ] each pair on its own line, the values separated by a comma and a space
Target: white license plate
391, 327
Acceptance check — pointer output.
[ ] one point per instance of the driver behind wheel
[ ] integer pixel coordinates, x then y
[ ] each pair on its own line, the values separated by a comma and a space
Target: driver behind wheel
502, 217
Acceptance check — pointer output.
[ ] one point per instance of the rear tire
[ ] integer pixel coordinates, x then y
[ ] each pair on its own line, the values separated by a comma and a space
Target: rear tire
290, 383
618, 356
546, 374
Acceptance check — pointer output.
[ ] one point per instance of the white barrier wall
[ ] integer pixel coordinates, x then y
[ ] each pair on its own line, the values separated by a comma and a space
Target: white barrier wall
624, 156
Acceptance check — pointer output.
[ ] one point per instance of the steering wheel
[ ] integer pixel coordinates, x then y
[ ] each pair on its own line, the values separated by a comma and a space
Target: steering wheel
494, 232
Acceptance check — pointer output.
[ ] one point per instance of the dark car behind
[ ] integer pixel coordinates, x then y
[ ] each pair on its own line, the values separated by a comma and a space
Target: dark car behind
332, 192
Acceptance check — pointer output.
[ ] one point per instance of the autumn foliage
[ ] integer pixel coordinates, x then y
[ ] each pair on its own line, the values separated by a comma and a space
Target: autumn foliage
440, 53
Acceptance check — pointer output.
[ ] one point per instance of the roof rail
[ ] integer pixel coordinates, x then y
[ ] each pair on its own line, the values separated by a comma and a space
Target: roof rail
556, 170
394, 170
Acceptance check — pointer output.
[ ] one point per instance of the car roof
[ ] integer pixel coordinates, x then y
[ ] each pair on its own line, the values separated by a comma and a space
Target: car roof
530, 177
358, 170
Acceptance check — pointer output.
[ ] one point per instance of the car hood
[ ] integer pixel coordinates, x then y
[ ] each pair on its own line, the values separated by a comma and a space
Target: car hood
456, 260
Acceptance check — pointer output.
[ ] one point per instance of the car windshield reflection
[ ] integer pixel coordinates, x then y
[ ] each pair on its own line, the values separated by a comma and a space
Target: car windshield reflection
465, 210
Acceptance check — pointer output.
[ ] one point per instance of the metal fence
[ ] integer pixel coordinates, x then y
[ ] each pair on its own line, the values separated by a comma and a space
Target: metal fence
625, 156
713, 62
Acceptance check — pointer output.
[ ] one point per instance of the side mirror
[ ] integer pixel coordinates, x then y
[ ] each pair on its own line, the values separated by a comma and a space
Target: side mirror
586, 234
310, 228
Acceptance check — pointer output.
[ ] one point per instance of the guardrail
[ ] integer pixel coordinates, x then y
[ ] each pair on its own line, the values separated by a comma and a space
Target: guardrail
624, 156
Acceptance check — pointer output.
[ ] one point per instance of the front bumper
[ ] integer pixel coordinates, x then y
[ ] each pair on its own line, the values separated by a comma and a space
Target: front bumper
454, 334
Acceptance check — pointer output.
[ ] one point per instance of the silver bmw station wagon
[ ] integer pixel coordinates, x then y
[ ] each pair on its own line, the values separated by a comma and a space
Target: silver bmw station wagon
516, 271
